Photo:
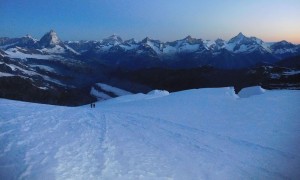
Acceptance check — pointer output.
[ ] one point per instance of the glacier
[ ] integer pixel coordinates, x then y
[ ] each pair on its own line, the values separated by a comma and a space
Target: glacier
194, 134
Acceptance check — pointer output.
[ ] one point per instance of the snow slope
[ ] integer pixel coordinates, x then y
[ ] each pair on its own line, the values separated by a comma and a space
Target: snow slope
107, 91
116, 91
15, 53
193, 134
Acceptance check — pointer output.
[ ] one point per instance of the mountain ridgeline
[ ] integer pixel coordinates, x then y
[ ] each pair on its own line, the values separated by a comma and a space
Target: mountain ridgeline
239, 52
53, 71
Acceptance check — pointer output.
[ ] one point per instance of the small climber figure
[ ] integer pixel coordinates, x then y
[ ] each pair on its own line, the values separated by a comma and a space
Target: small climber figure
91, 105
94, 105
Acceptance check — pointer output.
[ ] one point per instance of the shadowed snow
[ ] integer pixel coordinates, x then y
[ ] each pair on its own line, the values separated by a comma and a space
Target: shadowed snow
193, 134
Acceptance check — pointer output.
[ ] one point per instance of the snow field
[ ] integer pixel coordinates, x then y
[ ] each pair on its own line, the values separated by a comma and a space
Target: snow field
193, 134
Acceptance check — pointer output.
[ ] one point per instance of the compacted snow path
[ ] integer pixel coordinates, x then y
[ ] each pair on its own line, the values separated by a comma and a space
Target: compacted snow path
195, 134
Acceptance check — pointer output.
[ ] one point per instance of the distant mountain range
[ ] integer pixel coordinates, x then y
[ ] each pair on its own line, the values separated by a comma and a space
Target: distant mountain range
239, 52
53, 71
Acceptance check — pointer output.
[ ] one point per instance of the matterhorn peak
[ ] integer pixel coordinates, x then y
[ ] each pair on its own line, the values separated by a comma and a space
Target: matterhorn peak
50, 39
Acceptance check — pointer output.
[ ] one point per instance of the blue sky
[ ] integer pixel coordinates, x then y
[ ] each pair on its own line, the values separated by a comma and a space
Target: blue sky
167, 20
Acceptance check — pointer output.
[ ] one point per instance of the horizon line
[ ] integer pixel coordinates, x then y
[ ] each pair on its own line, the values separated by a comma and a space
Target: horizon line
115, 34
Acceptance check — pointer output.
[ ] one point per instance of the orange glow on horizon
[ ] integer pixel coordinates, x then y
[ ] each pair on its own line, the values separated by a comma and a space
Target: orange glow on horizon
291, 39
276, 37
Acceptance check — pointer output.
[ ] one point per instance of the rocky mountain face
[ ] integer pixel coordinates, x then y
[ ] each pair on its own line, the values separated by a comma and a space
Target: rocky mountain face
50, 39
62, 72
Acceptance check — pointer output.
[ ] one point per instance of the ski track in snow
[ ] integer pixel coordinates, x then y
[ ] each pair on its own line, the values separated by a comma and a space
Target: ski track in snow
52, 142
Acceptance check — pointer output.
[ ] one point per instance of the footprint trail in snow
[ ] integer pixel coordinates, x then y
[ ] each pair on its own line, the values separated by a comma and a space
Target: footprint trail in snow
195, 134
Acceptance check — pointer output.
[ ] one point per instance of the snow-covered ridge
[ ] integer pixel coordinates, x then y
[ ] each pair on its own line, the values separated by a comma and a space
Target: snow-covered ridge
251, 91
193, 134
237, 44
30, 72
19, 53
104, 91
116, 91
113, 51
158, 93
2, 74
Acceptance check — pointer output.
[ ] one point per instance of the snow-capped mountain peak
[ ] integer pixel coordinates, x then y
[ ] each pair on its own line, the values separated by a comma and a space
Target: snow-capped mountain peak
147, 39
112, 40
115, 37
241, 35
243, 44
200, 51
284, 48
238, 38
189, 39
50, 39
54, 38
284, 43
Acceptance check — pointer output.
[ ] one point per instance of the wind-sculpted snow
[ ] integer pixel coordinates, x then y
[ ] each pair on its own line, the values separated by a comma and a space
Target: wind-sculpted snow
194, 134
251, 91
158, 93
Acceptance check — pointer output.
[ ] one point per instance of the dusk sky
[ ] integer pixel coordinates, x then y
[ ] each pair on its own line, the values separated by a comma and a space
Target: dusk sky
167, 20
